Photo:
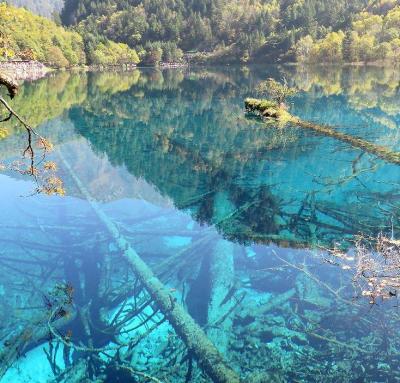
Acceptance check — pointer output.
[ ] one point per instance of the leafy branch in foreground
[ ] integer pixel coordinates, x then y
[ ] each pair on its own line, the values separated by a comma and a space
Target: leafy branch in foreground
42, 171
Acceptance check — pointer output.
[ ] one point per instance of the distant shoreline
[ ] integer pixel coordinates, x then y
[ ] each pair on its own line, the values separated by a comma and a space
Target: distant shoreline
24, 70
30, 70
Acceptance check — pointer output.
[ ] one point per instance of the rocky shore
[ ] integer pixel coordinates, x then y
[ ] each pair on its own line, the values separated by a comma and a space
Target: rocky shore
173, 64
34, 70
24, 70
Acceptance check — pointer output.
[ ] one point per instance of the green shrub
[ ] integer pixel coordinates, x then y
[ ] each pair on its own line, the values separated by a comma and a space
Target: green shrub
56, 58
110, 53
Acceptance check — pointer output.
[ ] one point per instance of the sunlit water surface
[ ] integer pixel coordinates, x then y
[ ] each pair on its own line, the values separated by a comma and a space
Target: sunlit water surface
231, 215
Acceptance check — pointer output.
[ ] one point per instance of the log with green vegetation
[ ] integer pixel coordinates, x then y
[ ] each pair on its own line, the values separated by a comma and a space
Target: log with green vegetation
275, 109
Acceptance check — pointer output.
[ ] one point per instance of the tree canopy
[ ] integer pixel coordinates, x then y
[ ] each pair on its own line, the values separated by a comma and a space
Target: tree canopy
24, 35
228, 30
371, 37
155, 31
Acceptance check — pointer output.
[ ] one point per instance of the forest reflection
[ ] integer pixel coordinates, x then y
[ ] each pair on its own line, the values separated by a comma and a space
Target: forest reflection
184, 132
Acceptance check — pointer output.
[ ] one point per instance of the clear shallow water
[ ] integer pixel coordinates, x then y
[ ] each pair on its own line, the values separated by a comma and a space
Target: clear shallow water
229, 215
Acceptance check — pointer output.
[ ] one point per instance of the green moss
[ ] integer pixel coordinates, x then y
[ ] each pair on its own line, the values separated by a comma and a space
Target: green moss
259, 104
268, 109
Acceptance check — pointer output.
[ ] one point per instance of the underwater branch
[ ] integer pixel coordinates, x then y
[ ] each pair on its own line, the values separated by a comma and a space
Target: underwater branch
28, 337
202, 349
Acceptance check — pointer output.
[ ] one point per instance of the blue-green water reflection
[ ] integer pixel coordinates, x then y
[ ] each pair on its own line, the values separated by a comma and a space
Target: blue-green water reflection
231, 215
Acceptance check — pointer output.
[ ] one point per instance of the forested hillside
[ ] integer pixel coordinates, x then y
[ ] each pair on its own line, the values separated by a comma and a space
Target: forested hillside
311, 31
236, 30
372, 36
41, 7
24, 35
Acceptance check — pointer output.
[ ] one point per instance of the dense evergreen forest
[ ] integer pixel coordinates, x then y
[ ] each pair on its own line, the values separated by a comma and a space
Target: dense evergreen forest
223, 31
246, 30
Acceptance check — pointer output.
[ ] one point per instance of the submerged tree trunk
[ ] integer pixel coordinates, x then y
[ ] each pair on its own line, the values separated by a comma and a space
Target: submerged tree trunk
202, 349
378, 150
222, 291
267, 109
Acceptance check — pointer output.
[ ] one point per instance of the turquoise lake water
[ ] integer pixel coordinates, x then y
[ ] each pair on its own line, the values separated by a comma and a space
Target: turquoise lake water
232, 215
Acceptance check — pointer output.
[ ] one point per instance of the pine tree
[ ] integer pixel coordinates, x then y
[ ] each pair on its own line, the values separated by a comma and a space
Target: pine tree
350, 43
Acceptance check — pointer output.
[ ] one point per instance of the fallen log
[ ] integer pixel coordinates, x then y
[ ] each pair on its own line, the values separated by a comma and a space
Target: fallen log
222, 293
203, 350
270, 110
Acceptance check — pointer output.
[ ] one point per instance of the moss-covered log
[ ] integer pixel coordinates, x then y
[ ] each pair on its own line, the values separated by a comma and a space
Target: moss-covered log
271, 110
195, 339
266, 109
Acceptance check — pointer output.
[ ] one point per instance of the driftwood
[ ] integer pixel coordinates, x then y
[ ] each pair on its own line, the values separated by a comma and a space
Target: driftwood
268, 110
200, 347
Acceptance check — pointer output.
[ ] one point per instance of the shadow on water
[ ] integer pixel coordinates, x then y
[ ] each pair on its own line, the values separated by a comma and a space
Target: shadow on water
228, 214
